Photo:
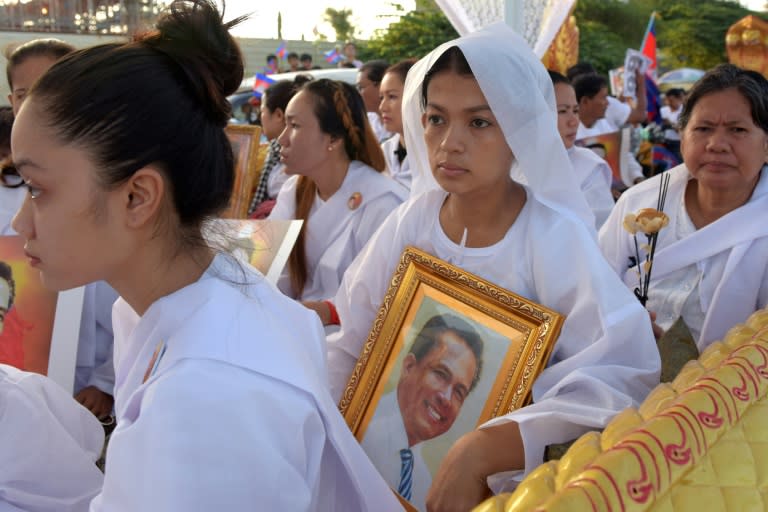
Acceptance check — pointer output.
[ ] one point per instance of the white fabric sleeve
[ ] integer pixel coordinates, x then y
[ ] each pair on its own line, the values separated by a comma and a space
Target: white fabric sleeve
615, 242
285, 204
597, 192
374, 216
617, 112
103, 376
215, 437
605, 358
50, 444
358, 299
633, 170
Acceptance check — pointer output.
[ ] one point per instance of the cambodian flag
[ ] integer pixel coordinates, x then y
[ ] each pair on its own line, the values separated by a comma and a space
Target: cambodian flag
653, 97
648, 48
332, 56
282, 50
663, 159
260, 84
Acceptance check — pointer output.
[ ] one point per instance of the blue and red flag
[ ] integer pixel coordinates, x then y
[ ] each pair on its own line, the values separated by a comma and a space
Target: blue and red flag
261, 83
653, 96
332, 56
648, 48
664, 159
282, 50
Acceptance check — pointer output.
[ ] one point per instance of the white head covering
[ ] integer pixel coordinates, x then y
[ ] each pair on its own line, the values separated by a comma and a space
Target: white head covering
520, 93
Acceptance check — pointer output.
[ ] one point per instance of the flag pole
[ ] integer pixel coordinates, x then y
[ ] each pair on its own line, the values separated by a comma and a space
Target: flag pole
648, 29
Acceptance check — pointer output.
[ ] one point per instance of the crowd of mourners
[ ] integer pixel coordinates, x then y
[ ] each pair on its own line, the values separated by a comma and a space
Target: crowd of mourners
222, 390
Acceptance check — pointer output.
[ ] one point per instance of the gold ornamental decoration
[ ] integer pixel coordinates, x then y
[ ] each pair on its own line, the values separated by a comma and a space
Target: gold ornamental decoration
746, 44
564, 50
695, 444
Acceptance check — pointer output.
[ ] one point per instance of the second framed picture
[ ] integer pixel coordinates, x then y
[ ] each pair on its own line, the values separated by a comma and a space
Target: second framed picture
447, 352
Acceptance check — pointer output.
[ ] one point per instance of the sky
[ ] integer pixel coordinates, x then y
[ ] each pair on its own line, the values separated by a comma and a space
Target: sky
755, 5
301, 16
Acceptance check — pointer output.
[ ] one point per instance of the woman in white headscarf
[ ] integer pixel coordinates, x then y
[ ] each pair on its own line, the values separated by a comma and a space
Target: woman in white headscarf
498, 198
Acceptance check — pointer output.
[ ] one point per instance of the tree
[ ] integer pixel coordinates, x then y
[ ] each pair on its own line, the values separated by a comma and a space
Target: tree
415, 34
690, 33
339, 20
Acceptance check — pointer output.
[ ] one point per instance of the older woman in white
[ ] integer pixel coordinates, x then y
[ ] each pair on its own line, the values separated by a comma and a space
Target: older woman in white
711, 261
480, 137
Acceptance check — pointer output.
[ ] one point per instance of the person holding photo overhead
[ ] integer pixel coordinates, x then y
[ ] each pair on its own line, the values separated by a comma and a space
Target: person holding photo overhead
221, 389
495, 195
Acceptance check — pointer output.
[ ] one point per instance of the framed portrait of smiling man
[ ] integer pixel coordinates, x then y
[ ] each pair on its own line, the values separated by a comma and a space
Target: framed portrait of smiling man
447, 352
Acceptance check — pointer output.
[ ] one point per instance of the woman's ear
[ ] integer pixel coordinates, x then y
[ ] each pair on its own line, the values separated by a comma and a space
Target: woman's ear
143, 196
279, 114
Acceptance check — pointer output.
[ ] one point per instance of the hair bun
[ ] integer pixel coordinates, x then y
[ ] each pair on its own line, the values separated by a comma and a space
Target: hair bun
192, 34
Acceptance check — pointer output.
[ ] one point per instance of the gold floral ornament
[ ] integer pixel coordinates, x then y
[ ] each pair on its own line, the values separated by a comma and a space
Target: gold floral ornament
648, 221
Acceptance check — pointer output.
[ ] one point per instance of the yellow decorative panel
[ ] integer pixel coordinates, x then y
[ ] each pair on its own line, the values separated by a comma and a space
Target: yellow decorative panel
697, 444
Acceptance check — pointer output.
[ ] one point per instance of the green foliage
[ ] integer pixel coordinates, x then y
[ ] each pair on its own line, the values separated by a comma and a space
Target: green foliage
415, 34
607, 28
339, 20
692, 33
689, 33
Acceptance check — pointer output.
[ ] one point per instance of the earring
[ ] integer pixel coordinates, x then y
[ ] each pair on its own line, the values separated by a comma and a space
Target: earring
330, 148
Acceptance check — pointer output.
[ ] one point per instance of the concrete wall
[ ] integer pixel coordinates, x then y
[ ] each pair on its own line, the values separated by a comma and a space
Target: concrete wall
255, 51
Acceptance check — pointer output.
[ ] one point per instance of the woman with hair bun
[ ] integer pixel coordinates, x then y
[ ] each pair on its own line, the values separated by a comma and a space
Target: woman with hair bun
221, 387
338, 187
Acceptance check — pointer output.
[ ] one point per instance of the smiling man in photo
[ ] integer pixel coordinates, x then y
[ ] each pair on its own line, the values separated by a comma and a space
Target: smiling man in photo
440, 370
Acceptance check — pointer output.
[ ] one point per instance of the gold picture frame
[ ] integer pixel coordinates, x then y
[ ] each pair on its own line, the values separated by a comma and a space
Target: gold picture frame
248, 163
516, 339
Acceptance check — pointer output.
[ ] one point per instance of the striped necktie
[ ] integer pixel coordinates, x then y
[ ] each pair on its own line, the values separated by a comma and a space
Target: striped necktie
406, 473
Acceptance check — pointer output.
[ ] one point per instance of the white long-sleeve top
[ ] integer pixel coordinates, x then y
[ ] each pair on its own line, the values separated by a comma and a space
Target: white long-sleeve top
605, 358
726, 261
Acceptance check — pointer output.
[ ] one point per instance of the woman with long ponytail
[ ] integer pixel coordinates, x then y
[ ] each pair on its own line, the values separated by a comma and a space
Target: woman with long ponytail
338, 188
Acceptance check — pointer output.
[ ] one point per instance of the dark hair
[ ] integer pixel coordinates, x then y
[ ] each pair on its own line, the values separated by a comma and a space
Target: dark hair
53, 48
426, 340
341, 113
6, 124
6, 272
558, 78
582, 68
675, 93
100, 98
374, 70
451, 60
271, 57
292, 55
401, 68
751, 84
589, 85
280, 93
305, 57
